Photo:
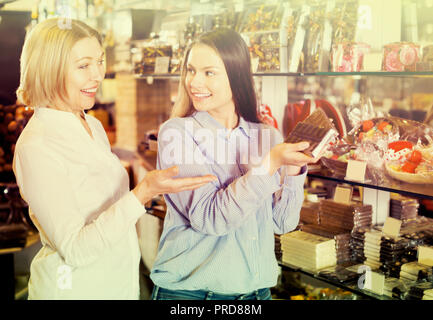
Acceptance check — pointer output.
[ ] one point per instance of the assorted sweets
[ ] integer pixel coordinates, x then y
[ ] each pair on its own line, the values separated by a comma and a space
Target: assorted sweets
401, 148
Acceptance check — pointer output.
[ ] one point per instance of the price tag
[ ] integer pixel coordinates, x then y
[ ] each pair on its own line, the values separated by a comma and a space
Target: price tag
356, 170
425, 255
343, 194
162, 64
372, 61
392, 227
374, 282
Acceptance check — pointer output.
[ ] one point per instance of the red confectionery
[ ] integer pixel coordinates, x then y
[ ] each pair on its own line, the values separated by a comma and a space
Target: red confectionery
415, 157
409, 167
367, 125
400, 145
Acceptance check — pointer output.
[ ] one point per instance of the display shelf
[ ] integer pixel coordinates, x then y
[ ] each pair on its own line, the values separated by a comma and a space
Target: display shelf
388, 184
352, 287
310, 74
32, 238
9, 289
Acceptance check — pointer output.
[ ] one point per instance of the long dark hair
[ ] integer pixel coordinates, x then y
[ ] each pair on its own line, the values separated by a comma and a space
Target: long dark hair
236, 58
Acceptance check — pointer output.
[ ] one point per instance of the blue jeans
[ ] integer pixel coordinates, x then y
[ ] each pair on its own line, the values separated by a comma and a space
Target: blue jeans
166, 294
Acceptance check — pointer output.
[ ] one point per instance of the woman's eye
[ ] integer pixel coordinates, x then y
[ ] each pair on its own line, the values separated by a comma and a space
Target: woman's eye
83, 66
101, 61
190, 70
210, 73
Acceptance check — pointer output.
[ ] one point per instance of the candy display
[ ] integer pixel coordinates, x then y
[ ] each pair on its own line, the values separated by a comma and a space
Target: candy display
345, 216
264, 17
403, 208
266, 48
400, 56
310, 212
428, 294
409, 163
145, 59
398, 147
307, 250
348, 56
340, 235
415, 271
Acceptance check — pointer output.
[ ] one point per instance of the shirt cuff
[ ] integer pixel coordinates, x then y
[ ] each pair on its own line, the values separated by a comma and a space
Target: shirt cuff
132, 206
291, 181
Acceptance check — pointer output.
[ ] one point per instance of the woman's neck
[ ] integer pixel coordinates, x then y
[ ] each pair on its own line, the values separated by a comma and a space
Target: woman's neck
228, 119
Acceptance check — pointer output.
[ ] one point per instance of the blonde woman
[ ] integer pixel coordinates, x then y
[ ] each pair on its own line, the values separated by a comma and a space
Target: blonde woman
76, 189
218, 241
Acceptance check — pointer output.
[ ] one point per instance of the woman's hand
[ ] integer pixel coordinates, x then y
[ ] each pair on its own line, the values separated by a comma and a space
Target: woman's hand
162, 181
289, 155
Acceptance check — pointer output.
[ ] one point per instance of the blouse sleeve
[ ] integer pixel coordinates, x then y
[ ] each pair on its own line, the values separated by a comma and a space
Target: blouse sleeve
44, 185
287, 201
211, 209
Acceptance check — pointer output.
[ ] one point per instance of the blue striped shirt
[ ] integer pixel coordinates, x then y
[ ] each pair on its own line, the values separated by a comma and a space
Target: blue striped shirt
220, 237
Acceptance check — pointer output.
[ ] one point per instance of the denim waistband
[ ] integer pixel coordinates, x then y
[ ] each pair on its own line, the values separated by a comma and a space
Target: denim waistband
163, 293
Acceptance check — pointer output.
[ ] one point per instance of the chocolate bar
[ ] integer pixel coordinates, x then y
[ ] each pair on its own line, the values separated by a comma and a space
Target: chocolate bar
316, 129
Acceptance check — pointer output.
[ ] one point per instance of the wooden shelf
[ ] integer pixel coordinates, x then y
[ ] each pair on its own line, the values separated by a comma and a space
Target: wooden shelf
32, 238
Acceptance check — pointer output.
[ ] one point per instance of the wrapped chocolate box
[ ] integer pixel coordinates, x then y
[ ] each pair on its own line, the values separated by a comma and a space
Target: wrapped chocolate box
400, 56
348, 56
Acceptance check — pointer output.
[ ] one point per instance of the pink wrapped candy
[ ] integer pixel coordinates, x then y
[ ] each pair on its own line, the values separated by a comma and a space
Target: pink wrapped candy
348, 56
400, 56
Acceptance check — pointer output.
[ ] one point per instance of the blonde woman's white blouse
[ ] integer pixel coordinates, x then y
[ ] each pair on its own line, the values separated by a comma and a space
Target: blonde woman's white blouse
79, 199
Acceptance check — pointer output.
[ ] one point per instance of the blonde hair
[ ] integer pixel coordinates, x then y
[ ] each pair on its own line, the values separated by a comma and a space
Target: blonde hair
44, 60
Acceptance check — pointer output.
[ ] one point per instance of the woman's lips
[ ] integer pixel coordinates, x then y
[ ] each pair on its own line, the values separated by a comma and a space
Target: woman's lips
91, 93
200, 96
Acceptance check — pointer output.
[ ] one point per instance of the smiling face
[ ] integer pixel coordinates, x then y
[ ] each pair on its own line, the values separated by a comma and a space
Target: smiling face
207, 82
84, 73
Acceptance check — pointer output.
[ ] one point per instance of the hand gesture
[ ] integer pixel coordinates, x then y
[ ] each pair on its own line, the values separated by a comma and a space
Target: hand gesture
162, 181
290, 155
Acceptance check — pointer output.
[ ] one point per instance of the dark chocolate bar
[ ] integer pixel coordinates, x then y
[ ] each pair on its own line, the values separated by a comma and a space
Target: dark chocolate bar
316, 129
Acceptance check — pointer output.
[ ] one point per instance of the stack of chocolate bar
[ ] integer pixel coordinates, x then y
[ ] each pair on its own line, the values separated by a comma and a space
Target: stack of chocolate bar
316, 129
341, 237
416, 292
385, 253
415, 271
403, 208
396, 288
308, 251
393, 254
310, 212
428, 294
372, 248
345, 216
419, 231
357, 244
278, 252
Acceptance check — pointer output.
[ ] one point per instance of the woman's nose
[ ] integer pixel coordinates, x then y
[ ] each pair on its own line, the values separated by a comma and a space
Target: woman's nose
197, 80
98, 73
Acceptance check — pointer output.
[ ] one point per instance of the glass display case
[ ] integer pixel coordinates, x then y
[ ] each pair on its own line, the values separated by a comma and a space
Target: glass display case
359, 60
